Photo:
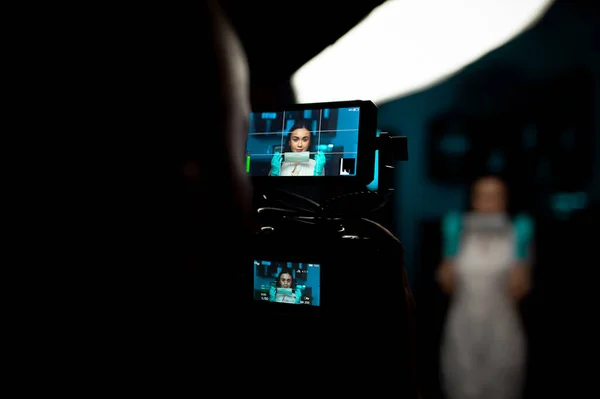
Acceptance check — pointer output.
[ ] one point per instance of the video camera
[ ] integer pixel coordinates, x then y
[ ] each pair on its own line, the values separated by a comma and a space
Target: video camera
323, 274
319, 170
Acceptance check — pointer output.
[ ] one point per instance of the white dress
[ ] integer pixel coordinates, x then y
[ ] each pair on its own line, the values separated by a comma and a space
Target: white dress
483, 349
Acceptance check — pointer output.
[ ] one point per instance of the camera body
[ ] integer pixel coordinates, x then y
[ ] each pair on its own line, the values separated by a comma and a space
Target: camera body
315, 246
338, 267
323, 275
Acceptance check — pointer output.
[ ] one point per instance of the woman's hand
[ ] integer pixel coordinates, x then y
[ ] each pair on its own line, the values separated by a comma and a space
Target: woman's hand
519, 281
276, 164
445, 277
320, 165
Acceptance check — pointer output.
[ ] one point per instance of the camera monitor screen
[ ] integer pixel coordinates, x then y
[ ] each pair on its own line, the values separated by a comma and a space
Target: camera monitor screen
287, 282
309, 140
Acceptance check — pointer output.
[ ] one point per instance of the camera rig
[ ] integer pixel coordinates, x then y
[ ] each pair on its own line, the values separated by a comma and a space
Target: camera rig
331, 203
364, 291
330, 224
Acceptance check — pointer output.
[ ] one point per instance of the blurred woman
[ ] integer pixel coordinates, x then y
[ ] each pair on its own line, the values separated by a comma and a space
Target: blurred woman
486, 271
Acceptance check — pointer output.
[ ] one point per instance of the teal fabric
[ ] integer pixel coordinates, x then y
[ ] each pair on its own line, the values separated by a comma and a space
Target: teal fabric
524, 229
451, 230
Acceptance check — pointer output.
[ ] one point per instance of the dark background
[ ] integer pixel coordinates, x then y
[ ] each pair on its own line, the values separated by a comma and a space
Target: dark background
292, 35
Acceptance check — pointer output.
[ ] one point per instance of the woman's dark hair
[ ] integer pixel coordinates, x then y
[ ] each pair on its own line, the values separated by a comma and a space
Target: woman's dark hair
300, 124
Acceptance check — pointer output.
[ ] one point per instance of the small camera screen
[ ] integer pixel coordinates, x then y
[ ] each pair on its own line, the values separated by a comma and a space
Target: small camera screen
311, 142
287, 282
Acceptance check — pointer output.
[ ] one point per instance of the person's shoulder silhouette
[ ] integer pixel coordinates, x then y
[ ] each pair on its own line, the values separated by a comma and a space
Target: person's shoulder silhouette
158, 107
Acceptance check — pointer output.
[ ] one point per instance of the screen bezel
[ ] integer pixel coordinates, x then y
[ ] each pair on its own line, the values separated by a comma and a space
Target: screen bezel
365, 158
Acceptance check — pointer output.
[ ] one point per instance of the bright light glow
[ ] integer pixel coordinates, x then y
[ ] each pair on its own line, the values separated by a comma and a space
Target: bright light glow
407, 45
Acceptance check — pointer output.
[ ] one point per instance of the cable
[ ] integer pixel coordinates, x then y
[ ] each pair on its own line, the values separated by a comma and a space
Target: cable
349, 205
311, 204
359, 203
382, 229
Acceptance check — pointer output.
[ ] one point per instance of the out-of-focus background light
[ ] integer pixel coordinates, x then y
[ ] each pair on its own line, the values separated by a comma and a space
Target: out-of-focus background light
406, 45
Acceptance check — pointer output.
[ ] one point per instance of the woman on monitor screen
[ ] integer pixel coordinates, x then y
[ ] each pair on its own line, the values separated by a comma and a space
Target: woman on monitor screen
297, 149
285, 290
486, 272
